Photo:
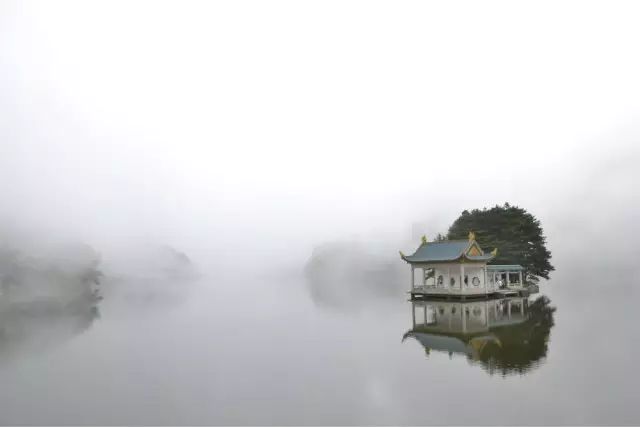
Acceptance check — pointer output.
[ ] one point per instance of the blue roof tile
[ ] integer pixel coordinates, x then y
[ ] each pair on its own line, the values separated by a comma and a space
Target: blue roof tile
447, 250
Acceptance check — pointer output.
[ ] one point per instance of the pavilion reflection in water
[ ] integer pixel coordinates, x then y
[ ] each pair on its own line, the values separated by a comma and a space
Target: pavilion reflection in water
507, 335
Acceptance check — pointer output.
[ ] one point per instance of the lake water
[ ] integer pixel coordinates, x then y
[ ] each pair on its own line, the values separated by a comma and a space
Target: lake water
265, 349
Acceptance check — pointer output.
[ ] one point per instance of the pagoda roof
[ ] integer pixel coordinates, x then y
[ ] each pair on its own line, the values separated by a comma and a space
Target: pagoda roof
448, 251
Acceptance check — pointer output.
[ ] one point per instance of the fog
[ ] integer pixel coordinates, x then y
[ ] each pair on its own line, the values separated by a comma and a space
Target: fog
189, 171
172, 120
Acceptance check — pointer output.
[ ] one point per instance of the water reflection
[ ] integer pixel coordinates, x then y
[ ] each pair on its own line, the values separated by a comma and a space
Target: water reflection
46, 298
29, 328
508, 335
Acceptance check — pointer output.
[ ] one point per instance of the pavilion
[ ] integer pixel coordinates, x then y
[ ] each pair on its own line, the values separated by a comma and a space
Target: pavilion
460, 268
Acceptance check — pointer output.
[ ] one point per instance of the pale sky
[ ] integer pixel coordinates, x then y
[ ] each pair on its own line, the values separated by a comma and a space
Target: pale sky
305, 115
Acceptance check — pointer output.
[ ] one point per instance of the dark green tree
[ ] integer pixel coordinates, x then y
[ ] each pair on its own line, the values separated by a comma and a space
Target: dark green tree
515, 232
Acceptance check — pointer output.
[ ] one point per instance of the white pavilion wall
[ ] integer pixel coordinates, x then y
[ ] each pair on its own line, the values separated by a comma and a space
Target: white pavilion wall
445, 272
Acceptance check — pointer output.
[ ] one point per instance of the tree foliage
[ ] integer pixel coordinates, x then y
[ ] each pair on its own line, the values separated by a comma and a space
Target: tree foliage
515, 232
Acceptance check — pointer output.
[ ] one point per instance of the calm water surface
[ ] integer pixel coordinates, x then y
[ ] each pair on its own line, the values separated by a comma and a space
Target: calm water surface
268, 350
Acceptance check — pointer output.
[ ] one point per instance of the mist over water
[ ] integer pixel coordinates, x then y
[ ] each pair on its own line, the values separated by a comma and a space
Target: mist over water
201, 211
300, 329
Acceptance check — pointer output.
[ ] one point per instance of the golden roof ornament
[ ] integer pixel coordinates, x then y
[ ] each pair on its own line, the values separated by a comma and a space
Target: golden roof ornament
494, 252
472, 236
424, 239
401, 254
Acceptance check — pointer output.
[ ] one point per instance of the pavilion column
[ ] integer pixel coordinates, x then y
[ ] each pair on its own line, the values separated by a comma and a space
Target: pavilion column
521, 284
413, 277
484, 279
413, 315
424, 277
447, 281
486, 313
461, 276
464, 318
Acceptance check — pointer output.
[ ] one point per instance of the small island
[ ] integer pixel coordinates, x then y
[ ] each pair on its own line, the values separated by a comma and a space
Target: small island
453, 266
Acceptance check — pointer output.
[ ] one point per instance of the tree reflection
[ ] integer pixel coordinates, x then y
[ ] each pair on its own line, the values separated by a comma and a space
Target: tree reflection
49, 295
46, 300
506, 336
30, 328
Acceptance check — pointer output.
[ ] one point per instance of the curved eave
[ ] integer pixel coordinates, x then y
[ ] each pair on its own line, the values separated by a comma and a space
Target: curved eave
427, 261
